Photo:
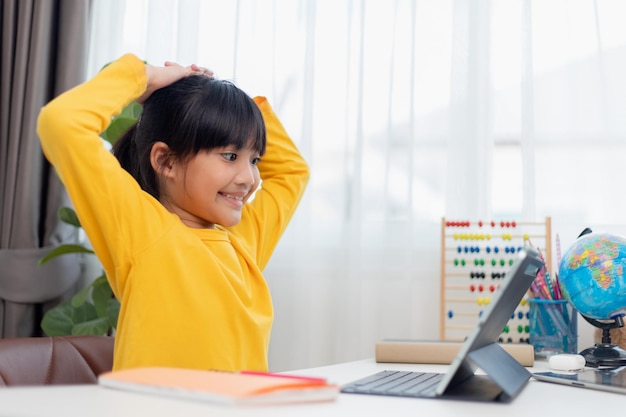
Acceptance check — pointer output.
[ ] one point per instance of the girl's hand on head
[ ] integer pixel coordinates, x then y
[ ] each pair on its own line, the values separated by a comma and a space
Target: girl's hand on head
159, 77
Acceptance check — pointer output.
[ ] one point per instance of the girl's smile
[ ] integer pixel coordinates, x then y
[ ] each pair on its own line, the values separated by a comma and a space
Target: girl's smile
211, 187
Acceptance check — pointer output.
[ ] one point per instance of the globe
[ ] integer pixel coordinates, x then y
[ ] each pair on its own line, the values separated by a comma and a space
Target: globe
591, 275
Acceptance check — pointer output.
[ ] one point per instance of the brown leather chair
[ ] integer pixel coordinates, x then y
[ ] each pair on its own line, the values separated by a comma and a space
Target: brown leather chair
54, 360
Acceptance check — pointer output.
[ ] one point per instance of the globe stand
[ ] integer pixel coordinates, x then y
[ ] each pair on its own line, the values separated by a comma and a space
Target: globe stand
605, 353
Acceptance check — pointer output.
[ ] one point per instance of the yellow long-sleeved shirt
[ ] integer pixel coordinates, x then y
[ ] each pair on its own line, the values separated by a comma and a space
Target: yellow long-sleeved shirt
191, 298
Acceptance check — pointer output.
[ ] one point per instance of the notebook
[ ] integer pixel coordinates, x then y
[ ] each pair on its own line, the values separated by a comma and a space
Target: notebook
610, 379
225, 388
502, 377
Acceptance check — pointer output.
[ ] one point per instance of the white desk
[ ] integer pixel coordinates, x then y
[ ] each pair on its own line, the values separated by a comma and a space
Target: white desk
537, 398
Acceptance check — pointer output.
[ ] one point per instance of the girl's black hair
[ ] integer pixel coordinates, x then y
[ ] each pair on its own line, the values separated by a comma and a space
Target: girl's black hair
193, 114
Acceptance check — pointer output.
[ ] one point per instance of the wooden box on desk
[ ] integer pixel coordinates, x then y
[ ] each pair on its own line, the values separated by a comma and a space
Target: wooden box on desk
440, 352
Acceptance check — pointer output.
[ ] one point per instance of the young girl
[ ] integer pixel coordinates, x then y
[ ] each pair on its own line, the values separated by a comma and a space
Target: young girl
181, 237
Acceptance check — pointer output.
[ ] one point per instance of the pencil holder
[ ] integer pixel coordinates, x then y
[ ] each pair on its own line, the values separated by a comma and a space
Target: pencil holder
553, 327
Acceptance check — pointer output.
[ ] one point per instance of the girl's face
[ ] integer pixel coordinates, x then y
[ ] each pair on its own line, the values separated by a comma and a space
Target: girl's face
212, 187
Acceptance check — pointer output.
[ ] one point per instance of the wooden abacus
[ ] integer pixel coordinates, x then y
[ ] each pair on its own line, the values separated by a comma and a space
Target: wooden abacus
475, 255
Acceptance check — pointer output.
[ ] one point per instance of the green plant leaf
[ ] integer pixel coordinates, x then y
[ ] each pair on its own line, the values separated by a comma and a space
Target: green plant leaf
117, 128
68, 215
97, 326
58, 321
133, 110
80, 317
85, 312
65, 319
63, 250
101, 295
80, 297
113, 311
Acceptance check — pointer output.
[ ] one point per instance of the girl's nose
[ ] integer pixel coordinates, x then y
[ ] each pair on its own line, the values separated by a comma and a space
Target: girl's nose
247, 174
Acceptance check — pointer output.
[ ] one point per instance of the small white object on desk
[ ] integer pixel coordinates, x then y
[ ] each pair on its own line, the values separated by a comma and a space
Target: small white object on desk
566, 362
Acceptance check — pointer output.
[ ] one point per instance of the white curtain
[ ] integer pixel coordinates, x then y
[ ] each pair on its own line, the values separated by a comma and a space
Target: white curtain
408, 111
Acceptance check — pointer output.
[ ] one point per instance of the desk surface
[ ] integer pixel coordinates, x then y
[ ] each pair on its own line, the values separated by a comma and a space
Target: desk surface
540, 398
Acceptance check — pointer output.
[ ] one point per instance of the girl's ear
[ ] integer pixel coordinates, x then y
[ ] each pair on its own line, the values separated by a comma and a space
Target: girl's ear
161, 158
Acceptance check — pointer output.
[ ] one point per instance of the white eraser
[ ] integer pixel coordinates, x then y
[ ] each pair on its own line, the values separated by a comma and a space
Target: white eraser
566, 362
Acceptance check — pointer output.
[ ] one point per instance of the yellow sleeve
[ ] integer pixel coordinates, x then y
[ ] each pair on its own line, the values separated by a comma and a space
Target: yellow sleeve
285, 175
102, 192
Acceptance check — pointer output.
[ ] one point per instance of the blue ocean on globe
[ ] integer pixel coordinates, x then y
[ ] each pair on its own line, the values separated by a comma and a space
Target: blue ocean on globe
591, 275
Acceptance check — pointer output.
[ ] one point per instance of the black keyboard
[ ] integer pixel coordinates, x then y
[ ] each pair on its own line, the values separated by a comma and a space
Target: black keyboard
396, 383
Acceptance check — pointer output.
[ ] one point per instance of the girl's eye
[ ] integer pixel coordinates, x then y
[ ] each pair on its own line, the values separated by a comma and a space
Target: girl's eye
255, 161
229, 156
